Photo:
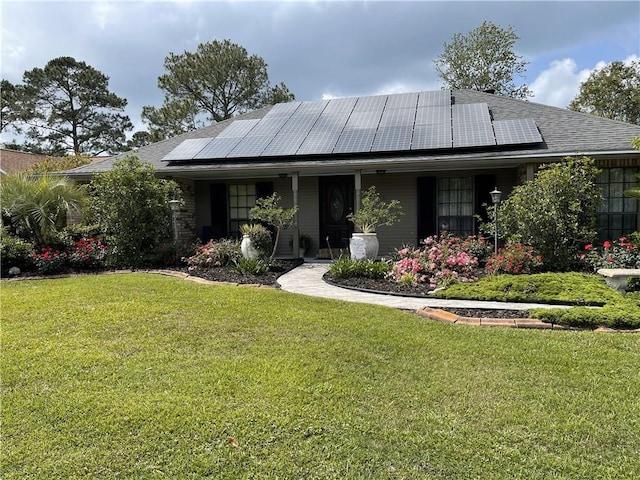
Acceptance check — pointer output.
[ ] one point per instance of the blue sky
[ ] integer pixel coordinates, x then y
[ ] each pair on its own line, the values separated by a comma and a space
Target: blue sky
319, 49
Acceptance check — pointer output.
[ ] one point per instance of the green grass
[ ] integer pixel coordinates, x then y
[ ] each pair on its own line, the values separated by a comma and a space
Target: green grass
618, 310
148, 377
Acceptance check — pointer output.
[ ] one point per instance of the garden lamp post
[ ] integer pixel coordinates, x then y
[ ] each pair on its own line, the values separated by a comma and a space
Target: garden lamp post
495, 198
174, 205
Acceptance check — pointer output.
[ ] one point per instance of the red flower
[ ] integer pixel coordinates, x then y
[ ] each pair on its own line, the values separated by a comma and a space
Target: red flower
607, 244
588, 247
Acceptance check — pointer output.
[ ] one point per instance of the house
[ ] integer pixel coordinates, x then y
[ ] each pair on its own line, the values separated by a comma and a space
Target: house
440, 153
13, 161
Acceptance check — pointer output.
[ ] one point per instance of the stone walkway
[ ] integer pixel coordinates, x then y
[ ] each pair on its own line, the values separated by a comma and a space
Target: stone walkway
307, 280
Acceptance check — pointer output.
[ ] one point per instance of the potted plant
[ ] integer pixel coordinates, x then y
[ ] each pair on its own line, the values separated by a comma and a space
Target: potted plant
269, 211
256, 241
373, 212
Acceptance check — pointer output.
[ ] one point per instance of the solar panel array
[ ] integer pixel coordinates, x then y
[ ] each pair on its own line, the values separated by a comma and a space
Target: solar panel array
384, 123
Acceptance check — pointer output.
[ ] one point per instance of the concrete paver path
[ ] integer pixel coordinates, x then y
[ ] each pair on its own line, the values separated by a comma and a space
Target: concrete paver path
307, 280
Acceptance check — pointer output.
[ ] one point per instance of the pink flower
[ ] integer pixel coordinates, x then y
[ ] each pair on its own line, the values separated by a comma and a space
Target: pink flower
607, 244
588, 247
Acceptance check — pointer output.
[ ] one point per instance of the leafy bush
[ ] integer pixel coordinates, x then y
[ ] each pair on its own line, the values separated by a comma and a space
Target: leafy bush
554, 213
345, 267
252, 266
37, 206
49, 260
375, 212
514, 259
269, 211
88, 253
624, 314
620, 253
215, 253
14, 252
132, 206
441, 261
571, 287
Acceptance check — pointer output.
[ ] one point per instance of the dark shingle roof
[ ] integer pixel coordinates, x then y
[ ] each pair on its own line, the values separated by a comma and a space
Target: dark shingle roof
564, 132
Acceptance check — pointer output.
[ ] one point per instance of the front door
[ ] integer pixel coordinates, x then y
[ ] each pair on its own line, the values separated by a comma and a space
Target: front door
336, 202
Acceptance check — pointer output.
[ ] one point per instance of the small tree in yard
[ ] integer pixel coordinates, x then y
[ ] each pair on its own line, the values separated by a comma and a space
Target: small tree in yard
555, 212
269, 211
131, 205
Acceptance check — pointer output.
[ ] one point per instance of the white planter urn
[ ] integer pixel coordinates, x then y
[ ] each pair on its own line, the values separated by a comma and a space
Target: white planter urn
364, 246
247, 248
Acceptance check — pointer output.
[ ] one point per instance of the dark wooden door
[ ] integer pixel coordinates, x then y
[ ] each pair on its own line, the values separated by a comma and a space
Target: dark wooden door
336, 202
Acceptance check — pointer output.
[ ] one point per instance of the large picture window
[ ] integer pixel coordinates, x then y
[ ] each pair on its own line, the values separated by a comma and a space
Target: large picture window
241, 199
617, 214
455, 205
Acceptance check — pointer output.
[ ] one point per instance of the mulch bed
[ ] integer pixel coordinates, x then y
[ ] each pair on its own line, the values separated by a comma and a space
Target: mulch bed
229, 275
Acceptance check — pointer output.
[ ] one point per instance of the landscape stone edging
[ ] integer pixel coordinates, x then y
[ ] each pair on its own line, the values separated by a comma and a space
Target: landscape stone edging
530, 323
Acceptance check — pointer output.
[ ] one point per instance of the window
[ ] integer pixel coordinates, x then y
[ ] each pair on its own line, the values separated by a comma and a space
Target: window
241, 199
617, 214
455, 205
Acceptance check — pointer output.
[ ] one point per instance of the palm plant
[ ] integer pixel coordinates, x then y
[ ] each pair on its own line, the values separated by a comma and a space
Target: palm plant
37, 205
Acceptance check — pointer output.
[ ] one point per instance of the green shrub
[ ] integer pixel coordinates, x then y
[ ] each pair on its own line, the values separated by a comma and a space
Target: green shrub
345, 267
570, 287
554, 213
215, 253
514, 259
252, 266
624, 314
14, 252
132, 206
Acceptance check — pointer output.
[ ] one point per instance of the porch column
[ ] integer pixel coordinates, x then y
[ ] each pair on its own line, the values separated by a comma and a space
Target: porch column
358, 187
296, 231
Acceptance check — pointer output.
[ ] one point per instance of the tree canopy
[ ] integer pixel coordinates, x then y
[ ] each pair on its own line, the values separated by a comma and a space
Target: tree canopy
217, 81
67, 107
483, 59
611, 92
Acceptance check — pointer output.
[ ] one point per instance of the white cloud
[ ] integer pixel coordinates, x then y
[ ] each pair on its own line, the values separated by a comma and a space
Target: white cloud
560, 83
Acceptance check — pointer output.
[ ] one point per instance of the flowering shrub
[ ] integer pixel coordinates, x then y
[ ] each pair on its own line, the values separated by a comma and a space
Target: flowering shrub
441, 260
49, 260
514, 259
215, 253
620, 253
88, 253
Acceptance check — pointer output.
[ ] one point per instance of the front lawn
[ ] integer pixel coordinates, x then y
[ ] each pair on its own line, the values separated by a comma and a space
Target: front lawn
141, 376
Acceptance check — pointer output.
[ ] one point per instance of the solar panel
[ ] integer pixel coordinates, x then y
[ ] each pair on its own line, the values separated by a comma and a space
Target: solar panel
510, 132
364, 120
251, 146
217, 148
369, 104
321, 142
239, 128
340, 105
268, 126
433, 116
472, 125
299, 123
358, 140
426, 137
402, 100
438, 98
330, 123
397, 117
383, 123
283, 109
187, 149
312, 107
392, 138
284, 145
